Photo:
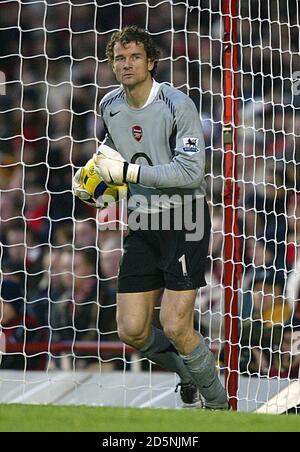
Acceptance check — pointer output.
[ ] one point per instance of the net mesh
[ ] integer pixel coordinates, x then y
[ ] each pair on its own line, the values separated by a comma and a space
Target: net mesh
59, 259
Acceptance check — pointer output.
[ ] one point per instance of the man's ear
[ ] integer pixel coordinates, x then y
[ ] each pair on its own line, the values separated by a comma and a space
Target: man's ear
150, 65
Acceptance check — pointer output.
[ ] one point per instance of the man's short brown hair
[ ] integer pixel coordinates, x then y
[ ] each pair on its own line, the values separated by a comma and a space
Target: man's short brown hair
133, 34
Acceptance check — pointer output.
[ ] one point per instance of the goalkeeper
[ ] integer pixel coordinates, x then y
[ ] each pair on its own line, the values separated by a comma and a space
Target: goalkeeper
154, 142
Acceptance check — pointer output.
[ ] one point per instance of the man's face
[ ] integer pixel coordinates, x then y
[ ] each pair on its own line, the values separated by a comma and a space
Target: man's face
131, 65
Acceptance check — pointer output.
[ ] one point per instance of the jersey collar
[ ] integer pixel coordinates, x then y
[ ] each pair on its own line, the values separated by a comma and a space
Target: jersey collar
153, 93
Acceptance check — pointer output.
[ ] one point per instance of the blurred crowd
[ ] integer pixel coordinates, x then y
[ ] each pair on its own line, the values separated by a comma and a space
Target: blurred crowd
58, 269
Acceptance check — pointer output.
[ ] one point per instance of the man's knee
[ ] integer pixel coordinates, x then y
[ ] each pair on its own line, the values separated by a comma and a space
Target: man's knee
174, 332
132, 334
180, 334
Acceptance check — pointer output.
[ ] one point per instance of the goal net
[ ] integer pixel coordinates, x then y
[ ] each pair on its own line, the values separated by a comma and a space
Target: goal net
59, 258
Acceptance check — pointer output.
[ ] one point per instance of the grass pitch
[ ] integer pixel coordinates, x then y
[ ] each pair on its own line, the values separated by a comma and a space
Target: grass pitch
37, 418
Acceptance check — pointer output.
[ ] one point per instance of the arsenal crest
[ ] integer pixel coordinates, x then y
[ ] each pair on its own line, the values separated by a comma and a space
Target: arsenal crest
137, 132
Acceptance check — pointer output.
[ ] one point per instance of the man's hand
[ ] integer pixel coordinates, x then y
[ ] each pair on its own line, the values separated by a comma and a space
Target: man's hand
81, 192
113, 169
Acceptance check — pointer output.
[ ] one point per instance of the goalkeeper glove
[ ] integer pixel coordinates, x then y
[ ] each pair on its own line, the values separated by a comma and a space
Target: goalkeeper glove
81, 192
113, 169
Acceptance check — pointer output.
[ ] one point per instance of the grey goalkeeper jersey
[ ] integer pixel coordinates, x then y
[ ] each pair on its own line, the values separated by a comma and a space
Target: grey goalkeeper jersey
165, 137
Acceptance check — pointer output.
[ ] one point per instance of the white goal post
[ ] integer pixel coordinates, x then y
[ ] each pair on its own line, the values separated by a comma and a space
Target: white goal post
239, 62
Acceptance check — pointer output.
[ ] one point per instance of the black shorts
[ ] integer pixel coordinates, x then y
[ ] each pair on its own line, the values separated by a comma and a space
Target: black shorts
155, 259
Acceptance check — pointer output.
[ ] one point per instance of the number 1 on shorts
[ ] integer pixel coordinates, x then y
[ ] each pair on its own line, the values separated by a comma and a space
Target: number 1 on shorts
183, 265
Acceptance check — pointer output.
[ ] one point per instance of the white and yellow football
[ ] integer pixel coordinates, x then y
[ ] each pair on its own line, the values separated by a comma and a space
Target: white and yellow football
100, 192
